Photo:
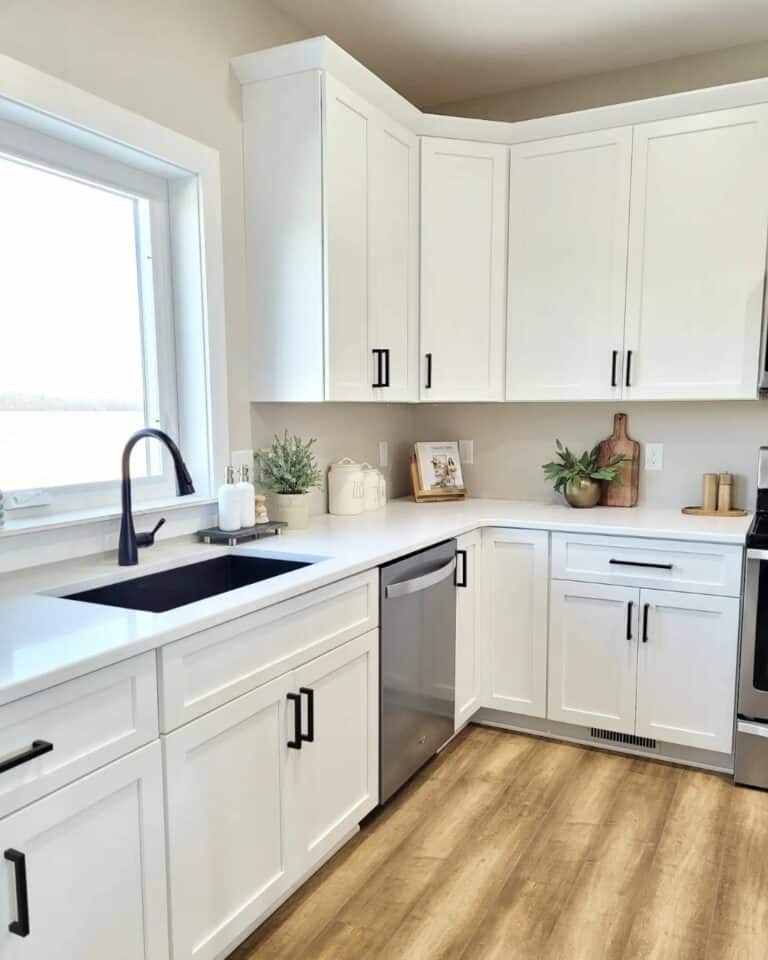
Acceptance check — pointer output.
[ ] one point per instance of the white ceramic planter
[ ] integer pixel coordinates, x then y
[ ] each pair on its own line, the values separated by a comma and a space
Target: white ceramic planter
293, 509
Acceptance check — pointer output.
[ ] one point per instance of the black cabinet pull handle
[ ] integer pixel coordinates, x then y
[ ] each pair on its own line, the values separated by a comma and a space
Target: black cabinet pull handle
19, 926
295, 744
386, 367
379, 381
640, 563
614, 359
38, 748
630, 606
309, 736
646, 607
463, 581
428, 384
628, 379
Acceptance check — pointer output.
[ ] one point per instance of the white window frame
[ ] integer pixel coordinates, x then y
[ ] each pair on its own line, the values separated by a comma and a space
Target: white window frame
116, 139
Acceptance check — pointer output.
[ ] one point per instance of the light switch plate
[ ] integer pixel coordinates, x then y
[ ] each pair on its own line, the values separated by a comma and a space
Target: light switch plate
383, 453
654, 456
467, 451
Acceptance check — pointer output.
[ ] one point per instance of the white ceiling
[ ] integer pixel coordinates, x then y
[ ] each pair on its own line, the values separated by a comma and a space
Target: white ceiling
436, 51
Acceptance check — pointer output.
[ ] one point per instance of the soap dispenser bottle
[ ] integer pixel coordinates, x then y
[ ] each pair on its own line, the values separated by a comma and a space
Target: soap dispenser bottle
247, 494
229, 503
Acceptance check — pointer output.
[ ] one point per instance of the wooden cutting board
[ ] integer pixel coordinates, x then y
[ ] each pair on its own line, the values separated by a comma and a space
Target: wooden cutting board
625, 494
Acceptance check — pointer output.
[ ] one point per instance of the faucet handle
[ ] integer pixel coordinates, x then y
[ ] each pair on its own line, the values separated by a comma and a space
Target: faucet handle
148, 538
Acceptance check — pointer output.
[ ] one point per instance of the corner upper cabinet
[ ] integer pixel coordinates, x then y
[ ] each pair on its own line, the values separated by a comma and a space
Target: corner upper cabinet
332, 244
463, 269
699, 212
568, 227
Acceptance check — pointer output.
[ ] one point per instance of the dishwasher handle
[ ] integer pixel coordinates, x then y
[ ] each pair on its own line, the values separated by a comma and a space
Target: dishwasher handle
406, 587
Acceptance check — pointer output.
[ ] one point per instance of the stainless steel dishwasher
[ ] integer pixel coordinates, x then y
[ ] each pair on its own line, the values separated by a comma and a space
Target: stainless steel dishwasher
417, 664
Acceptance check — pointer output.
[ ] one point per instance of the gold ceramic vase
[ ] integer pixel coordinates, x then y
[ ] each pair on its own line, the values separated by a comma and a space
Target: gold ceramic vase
584, 492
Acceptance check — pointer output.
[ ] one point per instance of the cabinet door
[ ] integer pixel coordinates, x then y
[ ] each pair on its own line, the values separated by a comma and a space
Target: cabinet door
468, 687
593, 655
350, 367
699, 209
686, 675
463, 269
94, 854
332, 782
516, 570
568, 226
228, 861
393, 286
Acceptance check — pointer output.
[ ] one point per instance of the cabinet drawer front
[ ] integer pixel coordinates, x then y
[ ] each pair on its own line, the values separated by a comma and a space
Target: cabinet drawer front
689, 567
88, 721
210, 668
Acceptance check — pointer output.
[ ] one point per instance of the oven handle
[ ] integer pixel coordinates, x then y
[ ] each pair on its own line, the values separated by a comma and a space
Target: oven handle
405, 587
753, 554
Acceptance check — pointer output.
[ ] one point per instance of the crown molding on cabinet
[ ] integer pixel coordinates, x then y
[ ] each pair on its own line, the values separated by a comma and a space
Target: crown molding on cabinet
321, 53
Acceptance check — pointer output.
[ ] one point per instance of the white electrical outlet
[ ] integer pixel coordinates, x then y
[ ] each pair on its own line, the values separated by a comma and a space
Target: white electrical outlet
654, 456
383, 453
467, 451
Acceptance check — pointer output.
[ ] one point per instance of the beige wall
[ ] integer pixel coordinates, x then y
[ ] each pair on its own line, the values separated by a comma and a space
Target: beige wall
167, 60
513, 440
634, 83
344, 430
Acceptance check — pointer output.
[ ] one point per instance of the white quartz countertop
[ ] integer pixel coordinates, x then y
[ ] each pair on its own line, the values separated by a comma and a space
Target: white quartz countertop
46, 639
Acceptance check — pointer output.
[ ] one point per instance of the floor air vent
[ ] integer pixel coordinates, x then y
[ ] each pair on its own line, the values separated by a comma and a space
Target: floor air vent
627, 738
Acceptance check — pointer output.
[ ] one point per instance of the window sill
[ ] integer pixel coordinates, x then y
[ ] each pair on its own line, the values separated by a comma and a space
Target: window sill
57, 521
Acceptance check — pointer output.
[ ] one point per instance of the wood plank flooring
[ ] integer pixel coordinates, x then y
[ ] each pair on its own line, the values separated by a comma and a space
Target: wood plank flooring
508, 847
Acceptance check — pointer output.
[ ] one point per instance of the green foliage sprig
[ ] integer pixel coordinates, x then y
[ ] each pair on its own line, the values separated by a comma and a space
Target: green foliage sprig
569, 469
288, 465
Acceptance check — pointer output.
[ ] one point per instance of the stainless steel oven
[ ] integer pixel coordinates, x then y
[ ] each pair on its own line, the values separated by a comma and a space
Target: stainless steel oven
751, 749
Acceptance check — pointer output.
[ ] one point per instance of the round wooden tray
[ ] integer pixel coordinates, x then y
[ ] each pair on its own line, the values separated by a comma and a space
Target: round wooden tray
701, 512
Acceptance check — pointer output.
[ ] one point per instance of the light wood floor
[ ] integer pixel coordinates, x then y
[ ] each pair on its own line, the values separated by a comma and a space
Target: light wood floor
510, 847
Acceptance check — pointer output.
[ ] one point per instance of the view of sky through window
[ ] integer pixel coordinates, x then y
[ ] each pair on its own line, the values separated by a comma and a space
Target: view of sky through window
71, 360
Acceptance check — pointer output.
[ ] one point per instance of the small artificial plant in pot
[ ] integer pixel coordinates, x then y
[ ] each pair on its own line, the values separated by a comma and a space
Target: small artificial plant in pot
578, 478
289, 470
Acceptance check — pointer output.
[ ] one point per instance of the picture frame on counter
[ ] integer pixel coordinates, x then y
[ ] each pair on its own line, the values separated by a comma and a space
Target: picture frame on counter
436, 471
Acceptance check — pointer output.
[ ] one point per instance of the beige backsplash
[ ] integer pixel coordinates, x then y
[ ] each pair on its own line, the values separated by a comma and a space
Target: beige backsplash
513, 440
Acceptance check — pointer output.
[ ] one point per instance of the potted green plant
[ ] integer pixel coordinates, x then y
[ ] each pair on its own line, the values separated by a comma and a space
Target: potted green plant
578, 478
288, 468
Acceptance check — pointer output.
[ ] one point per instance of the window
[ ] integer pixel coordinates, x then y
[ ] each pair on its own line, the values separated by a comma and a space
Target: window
86, 333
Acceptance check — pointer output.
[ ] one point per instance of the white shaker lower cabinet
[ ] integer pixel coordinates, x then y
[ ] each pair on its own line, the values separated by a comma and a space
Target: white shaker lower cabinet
686, 669
332, 782
468, 627
516, 564
228, 861
593, 655
255, 801
91, 858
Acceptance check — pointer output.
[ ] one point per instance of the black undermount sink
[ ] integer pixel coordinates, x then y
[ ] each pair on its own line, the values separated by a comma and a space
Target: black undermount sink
168, 589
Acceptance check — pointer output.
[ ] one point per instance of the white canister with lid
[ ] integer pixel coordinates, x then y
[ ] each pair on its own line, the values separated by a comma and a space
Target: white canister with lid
346, 493
371, 498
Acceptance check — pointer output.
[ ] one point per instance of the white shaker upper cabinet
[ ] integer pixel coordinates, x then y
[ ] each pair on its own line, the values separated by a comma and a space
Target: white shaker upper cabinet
699, 210
568, 227
463, 269
332, 242
371, 203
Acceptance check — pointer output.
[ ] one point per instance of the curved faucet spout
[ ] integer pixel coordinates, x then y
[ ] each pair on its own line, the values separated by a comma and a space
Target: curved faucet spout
127, 551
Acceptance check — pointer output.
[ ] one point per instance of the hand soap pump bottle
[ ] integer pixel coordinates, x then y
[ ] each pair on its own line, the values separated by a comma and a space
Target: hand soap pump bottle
229, 503
247, 493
